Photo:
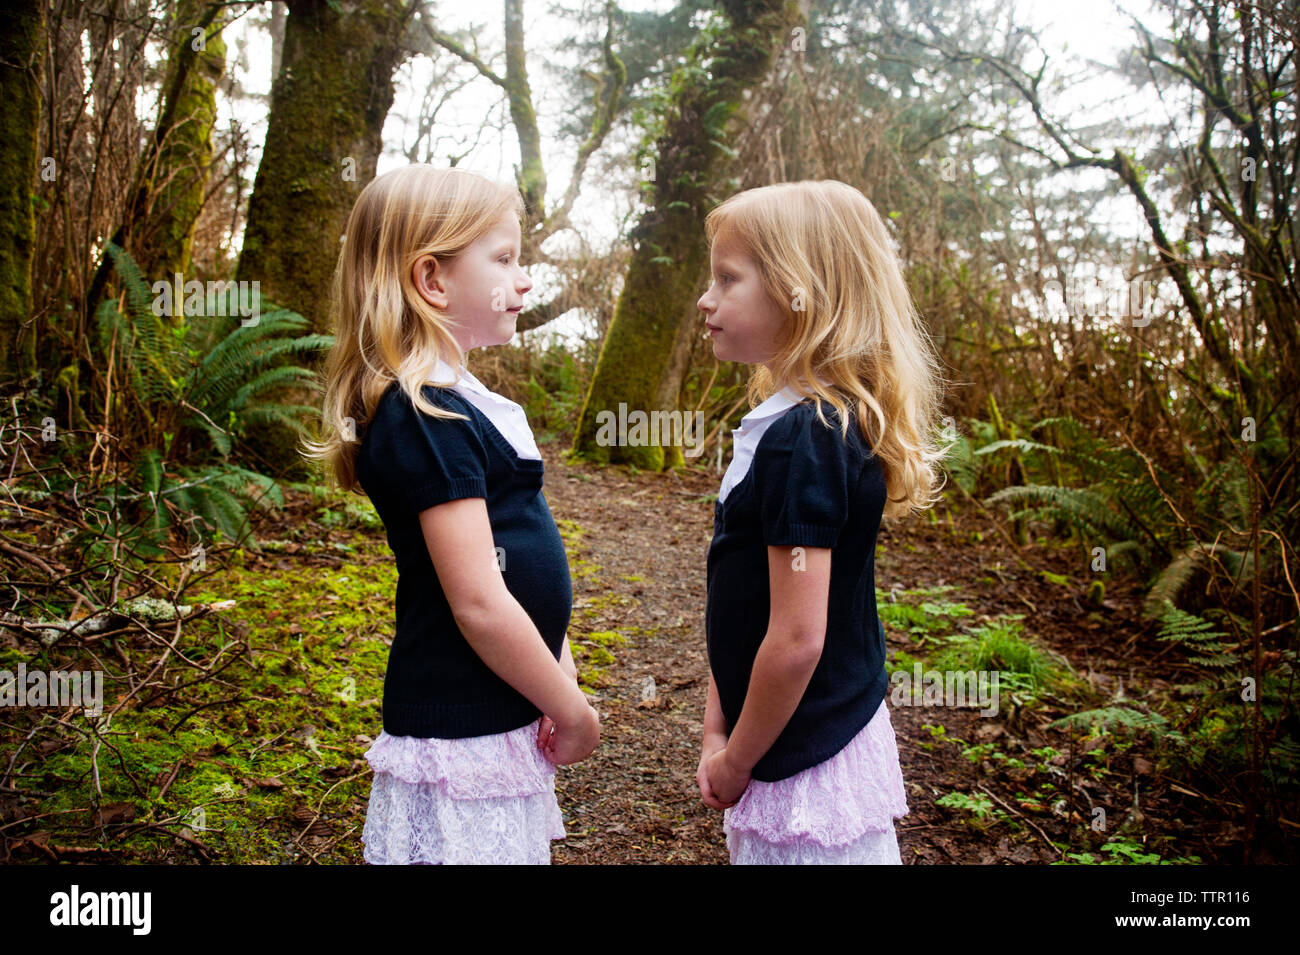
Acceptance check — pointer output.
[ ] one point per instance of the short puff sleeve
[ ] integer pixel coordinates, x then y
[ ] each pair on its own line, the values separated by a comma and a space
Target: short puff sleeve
427, 461
801, 480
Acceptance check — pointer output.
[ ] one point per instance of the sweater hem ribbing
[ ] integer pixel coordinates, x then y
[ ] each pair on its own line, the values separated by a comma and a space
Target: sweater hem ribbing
457, 720
775, 766
805, 535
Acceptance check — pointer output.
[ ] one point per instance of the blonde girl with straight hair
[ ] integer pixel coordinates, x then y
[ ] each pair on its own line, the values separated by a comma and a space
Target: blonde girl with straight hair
480, 699
798, 748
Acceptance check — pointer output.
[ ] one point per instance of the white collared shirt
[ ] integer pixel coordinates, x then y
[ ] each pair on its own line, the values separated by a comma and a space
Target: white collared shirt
506, 416
745, 438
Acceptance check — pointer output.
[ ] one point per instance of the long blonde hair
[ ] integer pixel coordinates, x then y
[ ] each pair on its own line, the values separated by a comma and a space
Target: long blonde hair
826, 259
384, 330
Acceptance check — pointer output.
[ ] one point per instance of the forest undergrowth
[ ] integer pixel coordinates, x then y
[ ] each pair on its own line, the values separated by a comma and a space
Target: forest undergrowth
250, 749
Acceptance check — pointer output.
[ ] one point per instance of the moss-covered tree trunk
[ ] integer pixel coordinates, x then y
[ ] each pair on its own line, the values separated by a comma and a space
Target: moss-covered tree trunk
196, 61
168, 184
22, 39
328, 105
640, 360
531, 174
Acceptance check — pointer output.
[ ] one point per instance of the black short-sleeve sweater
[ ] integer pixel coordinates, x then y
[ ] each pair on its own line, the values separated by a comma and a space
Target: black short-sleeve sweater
807, 486
435, 684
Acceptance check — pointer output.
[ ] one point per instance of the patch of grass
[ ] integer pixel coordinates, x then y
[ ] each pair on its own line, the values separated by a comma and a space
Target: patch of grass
938, 734
901, 660
926, 619
591, 652
572, 534
1001, 645
593, 649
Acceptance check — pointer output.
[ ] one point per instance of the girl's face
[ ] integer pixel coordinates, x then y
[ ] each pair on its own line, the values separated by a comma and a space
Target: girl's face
742, 320
482, 289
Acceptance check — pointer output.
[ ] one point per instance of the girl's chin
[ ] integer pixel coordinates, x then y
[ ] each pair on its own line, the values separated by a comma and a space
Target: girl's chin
499, 336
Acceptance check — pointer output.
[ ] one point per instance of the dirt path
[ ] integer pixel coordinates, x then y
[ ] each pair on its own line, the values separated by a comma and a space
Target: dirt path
647, 537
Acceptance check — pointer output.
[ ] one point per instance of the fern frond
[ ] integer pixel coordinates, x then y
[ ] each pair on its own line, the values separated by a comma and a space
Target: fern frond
288, 415
138, 295
1173, 579
150, 471
1118, 717
1020, 444
1081, 507
281, 376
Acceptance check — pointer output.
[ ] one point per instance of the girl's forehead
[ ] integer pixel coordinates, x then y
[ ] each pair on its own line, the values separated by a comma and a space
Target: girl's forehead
506, 225
728, 251
505, 229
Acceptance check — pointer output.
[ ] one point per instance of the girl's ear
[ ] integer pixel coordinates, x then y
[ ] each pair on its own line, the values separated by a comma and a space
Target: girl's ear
430, 280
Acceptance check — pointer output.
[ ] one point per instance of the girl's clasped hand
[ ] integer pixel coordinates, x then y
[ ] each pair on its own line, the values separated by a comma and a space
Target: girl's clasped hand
581, 730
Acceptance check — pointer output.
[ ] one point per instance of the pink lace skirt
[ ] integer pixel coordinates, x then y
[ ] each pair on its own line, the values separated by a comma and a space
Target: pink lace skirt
479, 800
840, 811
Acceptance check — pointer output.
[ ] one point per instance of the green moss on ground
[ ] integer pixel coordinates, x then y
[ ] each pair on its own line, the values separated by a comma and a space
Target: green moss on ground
265, 763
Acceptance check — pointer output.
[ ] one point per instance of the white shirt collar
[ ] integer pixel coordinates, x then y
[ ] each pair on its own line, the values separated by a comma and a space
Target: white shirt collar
774, 406
750, 433
444, 373
506, 416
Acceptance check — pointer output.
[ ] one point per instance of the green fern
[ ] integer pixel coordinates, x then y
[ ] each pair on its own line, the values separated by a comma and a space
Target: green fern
1123, 718
1174, 578
1088, 511
1022, 445
220, 377
1113, 501
1202, 642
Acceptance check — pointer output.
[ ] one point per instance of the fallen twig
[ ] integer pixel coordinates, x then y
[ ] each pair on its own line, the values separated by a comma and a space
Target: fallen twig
1017, 812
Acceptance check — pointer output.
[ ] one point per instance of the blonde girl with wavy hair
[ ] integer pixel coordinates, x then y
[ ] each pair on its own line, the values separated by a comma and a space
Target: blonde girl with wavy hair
798, 748
480, 699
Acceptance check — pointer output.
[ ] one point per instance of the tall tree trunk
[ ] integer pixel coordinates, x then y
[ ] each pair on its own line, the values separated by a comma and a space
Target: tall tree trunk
531, 174
279, 13
641, 360
165, 197
164, 240
22, 40
328, 105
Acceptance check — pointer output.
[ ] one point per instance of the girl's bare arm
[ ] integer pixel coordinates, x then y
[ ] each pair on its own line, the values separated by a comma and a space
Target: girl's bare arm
459, 537
796, 633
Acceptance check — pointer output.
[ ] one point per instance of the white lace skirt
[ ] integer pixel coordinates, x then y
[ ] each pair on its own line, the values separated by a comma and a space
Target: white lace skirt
486, 800
839, 812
